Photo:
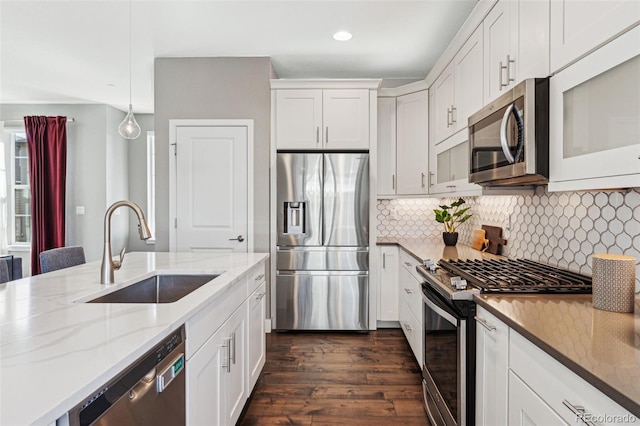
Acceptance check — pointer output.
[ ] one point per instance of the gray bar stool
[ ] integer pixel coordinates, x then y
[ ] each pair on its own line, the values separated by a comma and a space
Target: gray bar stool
60, 258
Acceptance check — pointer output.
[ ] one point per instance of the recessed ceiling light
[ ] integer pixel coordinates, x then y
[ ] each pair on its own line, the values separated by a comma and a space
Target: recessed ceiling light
342, 36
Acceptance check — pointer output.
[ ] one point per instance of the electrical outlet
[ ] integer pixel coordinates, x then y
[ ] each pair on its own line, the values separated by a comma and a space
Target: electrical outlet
393, 213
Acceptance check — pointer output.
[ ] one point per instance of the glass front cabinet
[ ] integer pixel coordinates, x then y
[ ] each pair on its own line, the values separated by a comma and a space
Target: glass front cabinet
595, 119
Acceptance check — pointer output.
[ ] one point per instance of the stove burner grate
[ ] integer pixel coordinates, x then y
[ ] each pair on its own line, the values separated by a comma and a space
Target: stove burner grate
517, 276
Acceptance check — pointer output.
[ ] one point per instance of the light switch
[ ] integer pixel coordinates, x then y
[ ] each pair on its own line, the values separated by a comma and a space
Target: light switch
79, 209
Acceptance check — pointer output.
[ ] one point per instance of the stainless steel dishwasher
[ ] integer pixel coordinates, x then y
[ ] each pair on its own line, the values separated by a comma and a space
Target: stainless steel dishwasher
150, 392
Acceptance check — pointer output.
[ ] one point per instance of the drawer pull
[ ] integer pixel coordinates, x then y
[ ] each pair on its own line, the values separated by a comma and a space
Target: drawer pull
483, 322
578, 411
407, 327
408, 291
259, 277
408, 264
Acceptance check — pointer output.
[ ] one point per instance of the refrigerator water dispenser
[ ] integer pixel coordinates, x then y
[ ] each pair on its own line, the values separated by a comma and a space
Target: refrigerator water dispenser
294, 217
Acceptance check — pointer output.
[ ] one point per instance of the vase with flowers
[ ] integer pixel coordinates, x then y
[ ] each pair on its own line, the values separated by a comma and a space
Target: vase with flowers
451, 216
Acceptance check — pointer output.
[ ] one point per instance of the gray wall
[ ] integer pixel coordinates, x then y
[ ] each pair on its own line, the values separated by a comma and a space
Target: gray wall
213, 88
137, 150
93, 146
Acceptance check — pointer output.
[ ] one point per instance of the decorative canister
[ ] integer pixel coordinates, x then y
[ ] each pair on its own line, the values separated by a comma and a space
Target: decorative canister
613, 282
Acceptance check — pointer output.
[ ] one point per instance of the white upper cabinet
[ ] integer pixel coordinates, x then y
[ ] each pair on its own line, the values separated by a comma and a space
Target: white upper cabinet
322, 119
449, 167
594, 106
412, 143
386, 146
443, 105
516, 44
579, 26
468, 74
345, 118
299, 119
457, 92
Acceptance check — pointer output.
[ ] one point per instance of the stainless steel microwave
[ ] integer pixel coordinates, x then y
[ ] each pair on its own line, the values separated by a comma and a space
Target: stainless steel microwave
509, 138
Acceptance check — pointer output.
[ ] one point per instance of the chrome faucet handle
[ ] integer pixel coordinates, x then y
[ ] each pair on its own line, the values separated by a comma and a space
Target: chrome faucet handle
118, 263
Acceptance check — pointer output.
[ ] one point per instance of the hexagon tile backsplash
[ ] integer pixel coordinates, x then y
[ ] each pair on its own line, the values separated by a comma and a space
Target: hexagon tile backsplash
562, 229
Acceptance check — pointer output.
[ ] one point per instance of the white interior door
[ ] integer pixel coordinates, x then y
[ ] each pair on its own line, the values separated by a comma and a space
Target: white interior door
211, 189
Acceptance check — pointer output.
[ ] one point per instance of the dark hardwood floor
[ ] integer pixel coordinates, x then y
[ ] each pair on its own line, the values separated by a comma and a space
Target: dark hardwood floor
337, 378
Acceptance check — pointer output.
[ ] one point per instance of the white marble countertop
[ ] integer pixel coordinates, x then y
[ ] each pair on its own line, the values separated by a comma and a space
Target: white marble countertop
54, 351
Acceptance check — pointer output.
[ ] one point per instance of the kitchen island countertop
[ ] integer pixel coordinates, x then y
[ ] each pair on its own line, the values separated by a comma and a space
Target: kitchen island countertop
54, 351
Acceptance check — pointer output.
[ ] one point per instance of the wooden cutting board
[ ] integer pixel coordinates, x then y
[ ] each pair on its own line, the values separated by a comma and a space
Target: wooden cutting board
494, 235
478, 240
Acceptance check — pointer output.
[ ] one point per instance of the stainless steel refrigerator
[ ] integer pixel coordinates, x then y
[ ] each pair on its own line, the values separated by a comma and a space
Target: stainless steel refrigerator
322, 258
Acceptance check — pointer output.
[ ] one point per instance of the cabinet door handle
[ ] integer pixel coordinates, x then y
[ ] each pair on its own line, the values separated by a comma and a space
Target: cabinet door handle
408, 264
579, 412
317, 135
408, 291
509, 62
239, 238
227, 346
407, 327
326, 135
500, 83
259, 277
393, 181
454, 119
384, 260
422, 180
260, 296
449, 113
431, 174
483, 322
232, 356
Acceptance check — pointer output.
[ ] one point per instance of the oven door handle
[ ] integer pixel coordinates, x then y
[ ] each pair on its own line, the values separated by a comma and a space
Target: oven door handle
437, 309
511, 109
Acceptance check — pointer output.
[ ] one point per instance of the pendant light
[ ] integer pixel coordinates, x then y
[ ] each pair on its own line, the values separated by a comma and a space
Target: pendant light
129, 128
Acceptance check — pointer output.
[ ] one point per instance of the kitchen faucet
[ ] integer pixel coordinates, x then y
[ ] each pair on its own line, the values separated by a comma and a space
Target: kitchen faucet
108, 264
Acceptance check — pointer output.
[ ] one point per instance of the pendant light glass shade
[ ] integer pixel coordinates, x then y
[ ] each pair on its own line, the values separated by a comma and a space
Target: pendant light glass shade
129, 128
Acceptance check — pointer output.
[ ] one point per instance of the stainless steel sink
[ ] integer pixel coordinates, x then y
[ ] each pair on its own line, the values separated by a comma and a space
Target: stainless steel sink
156, 289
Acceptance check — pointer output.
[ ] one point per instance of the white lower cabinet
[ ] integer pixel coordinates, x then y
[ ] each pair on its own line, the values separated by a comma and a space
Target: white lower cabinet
226, 352
388, 284
410, 306
205, 377
216, 375
492, 361
531, 387
526, 408
257, 339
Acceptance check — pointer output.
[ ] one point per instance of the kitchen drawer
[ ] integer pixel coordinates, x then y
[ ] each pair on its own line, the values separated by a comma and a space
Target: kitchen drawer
203, 324
409, 262
410, 284
256, 277
555, 383
412, 329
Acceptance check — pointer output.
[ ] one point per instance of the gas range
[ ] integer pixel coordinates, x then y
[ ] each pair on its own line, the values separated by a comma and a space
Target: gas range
461, 279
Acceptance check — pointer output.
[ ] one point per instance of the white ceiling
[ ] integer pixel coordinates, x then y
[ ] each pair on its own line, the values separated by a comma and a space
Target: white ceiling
77, 51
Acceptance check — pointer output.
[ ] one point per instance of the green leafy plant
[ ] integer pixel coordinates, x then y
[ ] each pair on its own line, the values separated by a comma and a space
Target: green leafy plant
452, 215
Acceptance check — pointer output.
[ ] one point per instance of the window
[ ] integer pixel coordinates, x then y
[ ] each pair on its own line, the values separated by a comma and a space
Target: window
20, 206
151, 185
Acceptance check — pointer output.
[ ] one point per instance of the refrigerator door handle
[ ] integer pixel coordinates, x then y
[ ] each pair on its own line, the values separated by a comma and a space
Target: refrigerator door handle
329, 200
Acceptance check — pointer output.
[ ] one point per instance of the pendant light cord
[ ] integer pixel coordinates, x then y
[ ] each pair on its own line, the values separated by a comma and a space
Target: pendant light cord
130, 1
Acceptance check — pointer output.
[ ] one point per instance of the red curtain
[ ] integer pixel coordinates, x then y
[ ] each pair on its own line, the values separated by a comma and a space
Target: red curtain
47, 151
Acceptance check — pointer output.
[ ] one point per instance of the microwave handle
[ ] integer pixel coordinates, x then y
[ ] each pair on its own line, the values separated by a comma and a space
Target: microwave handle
511, 109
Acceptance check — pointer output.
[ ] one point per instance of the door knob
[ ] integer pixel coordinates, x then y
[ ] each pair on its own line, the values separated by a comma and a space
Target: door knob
239, 238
